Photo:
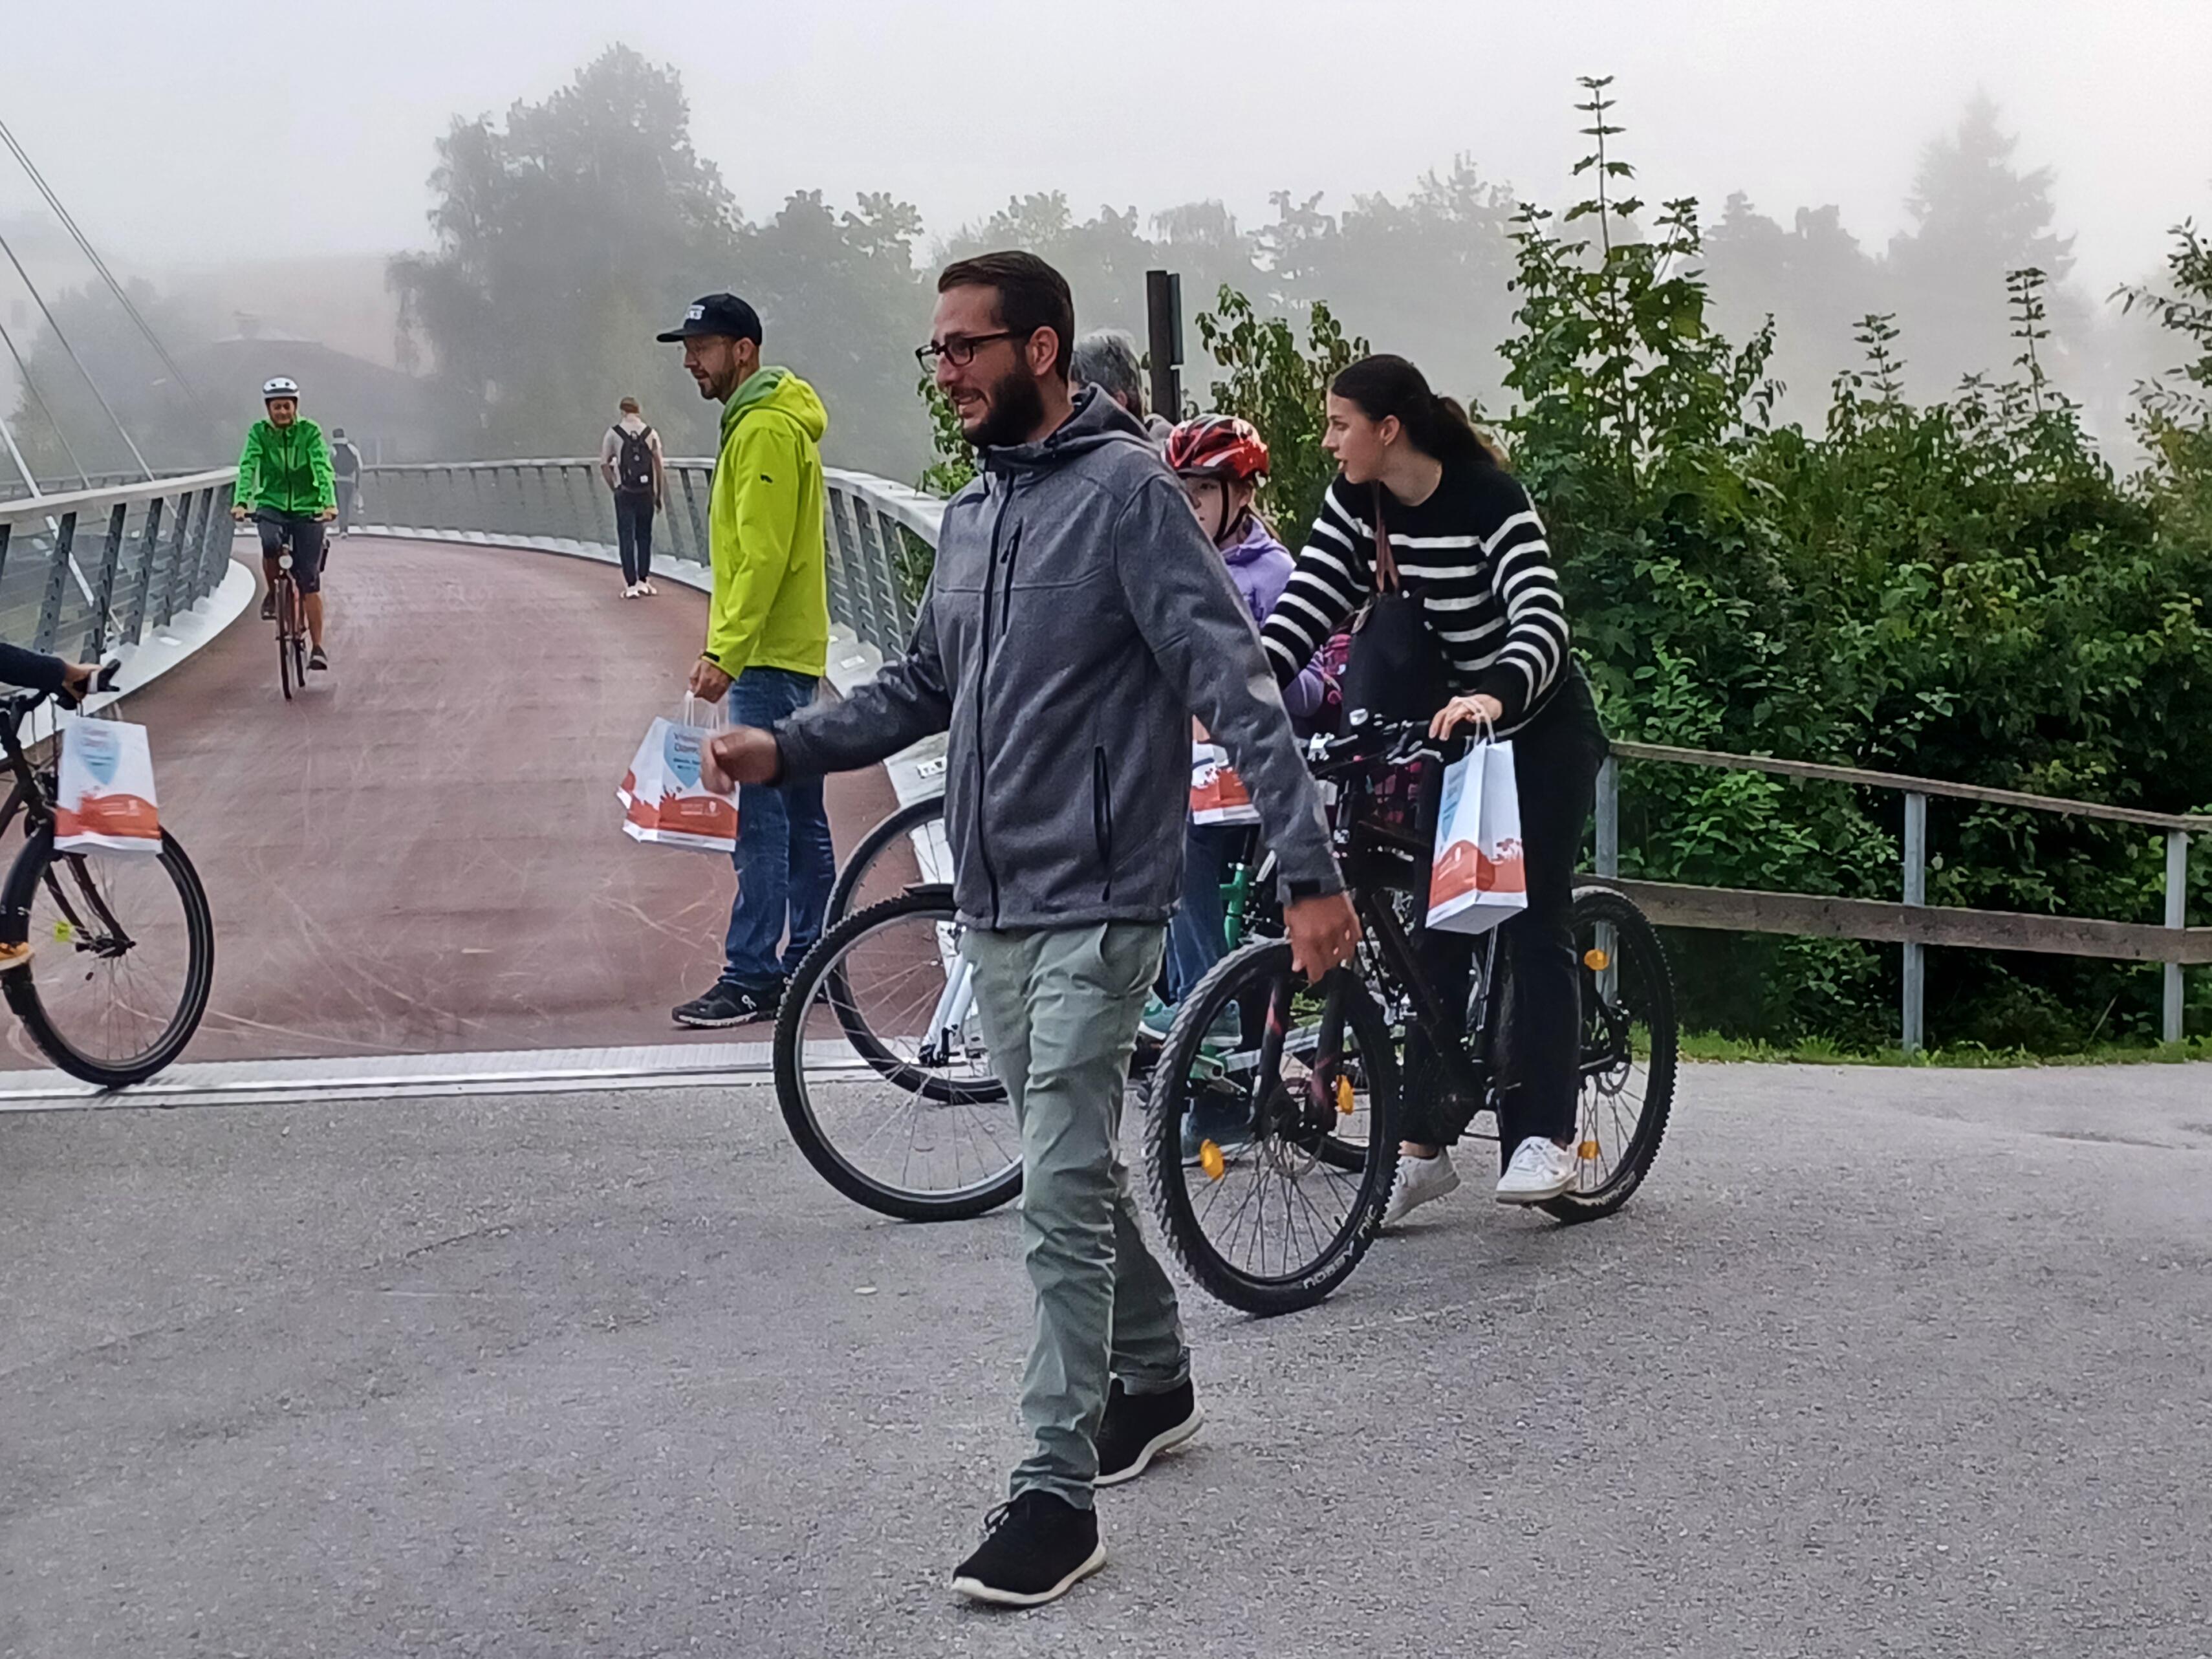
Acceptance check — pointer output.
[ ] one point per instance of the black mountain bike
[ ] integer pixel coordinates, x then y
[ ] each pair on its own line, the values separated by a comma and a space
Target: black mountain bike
122, 947
1273, 1214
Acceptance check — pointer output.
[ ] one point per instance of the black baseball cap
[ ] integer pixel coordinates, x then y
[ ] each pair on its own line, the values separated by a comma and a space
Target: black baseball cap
717, 314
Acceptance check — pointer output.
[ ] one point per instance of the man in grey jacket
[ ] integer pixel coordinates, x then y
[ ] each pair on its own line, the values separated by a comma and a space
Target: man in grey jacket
1077, 618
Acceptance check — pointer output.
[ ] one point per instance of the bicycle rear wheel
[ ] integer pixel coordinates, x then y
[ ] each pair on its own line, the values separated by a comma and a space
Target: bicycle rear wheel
888, 861
881, 1070
1629, 1050
1273, 1215
125, 956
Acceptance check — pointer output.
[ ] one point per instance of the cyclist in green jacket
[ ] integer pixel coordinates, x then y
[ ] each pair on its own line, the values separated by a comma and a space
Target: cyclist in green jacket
284, 482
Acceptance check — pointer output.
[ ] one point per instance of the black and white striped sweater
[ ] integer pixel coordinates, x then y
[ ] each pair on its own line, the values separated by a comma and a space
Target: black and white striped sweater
1474, 553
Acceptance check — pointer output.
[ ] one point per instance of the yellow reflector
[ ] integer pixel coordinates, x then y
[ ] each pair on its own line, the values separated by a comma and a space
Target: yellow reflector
1211, 1160
1588, 1150
1597, 960
64, 932
1344, 1108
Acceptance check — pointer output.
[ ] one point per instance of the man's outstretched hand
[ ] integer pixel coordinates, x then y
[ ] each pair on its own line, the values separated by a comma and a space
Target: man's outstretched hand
1323, 934
743, 754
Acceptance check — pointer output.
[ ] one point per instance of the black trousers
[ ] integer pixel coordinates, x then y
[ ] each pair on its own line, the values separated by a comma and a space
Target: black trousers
347, 489
1556, 758
634, 530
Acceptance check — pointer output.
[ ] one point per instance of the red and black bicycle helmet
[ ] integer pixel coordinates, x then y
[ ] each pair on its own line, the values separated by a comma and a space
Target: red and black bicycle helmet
1217, 446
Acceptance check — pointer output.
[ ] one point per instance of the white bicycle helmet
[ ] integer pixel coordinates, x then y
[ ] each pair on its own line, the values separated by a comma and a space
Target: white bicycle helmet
283, 385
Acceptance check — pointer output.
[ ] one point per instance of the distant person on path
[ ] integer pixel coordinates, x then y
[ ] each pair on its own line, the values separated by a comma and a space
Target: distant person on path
629, 460
768, 643
285, 483
1075, 618
345, 469
1106, 358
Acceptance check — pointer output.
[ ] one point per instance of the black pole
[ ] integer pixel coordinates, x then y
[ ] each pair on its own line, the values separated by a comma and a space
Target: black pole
1163, 342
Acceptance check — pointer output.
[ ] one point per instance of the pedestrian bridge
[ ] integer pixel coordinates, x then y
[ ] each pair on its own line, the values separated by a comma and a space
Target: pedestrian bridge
422, 855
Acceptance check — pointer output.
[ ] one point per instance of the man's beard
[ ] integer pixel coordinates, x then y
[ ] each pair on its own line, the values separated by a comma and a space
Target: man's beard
1016, 410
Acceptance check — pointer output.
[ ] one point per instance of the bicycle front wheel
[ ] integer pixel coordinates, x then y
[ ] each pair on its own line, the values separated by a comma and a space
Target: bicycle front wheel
1270, 1153
1629, 1044
881, 1068
123, 956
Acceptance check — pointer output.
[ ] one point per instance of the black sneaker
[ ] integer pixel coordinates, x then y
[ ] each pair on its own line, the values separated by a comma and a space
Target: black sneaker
1036, 1549
317, 660
1139, 1427
730, 1004
269, 605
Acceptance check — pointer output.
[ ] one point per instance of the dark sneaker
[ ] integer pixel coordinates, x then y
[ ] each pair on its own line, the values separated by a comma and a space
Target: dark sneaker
730, 1004
317, 660
269, 605
1036, 1549
1139, 1427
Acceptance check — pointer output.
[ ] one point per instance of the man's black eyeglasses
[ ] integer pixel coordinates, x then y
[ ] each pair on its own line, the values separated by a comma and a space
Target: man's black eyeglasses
960, 350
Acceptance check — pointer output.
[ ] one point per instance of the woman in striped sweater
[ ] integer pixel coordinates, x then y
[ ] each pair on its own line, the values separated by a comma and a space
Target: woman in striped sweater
1467, 543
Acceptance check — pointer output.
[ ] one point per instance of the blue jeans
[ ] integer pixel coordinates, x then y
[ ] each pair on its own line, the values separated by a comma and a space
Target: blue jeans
1198, 934
786, 862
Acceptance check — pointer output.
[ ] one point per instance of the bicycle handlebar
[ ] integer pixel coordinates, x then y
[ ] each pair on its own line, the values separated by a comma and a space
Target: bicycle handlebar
21, 701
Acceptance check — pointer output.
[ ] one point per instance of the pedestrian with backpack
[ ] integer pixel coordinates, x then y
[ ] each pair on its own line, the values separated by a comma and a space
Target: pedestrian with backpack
629, 460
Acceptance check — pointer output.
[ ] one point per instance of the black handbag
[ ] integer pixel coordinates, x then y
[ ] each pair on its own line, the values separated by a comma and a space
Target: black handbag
1391, 673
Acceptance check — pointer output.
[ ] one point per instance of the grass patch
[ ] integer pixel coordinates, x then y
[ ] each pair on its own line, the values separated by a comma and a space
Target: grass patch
1967, 1056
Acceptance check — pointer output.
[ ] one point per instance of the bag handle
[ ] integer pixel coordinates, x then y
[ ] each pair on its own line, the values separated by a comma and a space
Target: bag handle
1386, 561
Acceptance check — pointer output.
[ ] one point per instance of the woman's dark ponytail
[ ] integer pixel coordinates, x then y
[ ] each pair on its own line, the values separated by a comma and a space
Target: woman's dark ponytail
1385, 385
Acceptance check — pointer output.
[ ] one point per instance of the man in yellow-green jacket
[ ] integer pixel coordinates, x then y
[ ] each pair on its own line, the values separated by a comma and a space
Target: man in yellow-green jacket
767, 642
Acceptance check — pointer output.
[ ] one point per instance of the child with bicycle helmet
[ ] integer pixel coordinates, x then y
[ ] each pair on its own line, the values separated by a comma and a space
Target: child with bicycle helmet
1220, 461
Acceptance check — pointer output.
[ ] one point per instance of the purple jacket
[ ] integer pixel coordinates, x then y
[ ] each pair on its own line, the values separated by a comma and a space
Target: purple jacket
1260, 566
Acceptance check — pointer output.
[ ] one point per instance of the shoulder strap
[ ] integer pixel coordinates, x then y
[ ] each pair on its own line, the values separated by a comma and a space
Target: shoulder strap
1386, 561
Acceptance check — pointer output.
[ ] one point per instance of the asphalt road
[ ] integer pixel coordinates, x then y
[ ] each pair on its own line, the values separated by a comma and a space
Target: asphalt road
1879, 1363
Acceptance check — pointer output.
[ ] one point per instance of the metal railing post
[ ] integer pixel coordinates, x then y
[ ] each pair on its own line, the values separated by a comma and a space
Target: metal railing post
1916, 893
103, 596
701, 545
2176, 916
1608, 819
149, 544
50, 608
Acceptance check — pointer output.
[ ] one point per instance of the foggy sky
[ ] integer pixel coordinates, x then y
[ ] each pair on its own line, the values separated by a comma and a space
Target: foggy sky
183, 131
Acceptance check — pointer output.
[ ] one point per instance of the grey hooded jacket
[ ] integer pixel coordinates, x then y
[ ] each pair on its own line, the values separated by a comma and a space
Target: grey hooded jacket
1077, 618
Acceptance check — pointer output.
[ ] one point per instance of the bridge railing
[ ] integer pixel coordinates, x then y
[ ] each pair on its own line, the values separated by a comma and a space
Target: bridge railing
880, 537
97, 567
879, 532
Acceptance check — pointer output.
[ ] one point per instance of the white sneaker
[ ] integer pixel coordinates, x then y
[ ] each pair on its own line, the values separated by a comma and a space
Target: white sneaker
1419, 1180
648, 589
630, 593
1540, 1169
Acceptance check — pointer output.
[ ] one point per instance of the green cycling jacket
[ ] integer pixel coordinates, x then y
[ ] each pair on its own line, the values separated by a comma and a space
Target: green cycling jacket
286, 468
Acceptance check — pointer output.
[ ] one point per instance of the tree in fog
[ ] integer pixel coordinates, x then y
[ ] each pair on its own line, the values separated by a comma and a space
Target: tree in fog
163, 418
1975, 217
569, 237
1812, 278
565, 239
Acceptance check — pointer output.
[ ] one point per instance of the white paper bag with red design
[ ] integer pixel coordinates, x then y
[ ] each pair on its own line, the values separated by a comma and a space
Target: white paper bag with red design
1478, 878
105, 799
1218, 795
665, 802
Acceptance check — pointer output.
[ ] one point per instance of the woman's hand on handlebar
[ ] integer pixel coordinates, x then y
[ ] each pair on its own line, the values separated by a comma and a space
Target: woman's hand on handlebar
238, 511
1479, 710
